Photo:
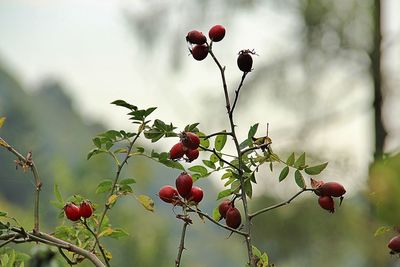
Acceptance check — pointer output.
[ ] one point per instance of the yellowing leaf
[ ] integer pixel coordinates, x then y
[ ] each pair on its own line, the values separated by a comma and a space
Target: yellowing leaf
112, 199
108, 231
147, 202
2, 120
3, 143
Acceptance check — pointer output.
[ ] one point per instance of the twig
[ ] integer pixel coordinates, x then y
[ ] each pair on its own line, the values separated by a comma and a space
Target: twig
252, 215
219, 157
11, 239
70, 262
214, 134
238, 90
181, 245
97, 242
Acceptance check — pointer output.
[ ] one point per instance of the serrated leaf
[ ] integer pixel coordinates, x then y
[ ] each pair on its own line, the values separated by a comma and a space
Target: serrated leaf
216, 215
299, 179
2, 121
192, 127
301, 161
220, 142
127, 181
104, 186
224, 193
57, 194
290, 160
284, 173
382, 230
209, 164
315, 170
199, 169
146, 202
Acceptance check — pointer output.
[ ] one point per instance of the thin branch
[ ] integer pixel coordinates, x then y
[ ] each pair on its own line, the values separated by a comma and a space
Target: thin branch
97, 242
216, 222
219, 157
70, 262
225, 87
238, 90
181, 245
214, 134
11, 239
252, 215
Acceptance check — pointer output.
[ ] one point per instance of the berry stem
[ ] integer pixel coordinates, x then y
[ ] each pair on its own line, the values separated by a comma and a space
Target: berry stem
238, 90
97, 242
181, 245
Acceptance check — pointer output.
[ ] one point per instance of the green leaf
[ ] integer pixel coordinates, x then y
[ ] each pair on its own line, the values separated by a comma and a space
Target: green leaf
104, 186
203, 142
172, 164
235, 186
149, 111
2, 121
284, 173
290, 160
252, 131
146, 202
199, 169
192, 128
118, 233
245, 144
2, 213
127, 181
57, 194
140, 149
256, 252
97, 142
314, 170
226, 175
224, 193
301, 161
220, 141
122, 103
209, 164
216, 215
214, 158
382, 230
248, 188
120, 150
299, 179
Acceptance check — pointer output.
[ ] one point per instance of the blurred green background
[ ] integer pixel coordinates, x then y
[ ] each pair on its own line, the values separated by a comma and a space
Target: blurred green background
325, 79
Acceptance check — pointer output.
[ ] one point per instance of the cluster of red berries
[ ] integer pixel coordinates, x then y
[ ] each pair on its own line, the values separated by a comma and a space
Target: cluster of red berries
74, 213
184, 188
394, 245
326, 191
198, 41
231, 214
187, 146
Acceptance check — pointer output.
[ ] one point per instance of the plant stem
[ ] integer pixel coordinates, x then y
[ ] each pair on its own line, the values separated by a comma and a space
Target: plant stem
97, 242
181, 245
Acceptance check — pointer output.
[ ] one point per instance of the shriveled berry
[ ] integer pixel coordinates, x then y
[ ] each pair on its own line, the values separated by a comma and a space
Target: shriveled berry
196, 37
196, 194
190, 140
85, 209
233, 218
245, 61
177, 151
394, 244
192, 154
168, 194
223, 207
332, 189
217, 33
199, 52
184, 184
326, 202
72, 212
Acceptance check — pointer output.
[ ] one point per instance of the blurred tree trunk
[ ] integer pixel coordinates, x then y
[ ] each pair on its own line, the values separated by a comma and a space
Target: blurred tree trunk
376, 73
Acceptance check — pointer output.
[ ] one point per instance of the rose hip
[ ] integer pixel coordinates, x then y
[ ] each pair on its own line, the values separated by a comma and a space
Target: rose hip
168, 194
184, 184
199, 52
326, 202
196, 37
177, 151
196, 194
216, 33
72, 212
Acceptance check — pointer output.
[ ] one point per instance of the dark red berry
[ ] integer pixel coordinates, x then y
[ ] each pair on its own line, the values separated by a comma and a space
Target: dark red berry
224, 206
72, 212
326, 202
233, 218
177, 151
245, 61
216, 33
199, 52
332, 189
196, 37
168, 194
394, 244
184, 184
196, 194
85, 209
190, 140
192, 154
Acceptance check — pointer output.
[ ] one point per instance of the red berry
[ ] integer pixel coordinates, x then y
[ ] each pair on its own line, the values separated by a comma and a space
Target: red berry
196, 37
85, 209
168, 194
224, 206
177, 151
331, 189
192, 154
72, 212
245, 61
190, 140
217, 33
326, 202
184, 184
233, 218
196, 194
199, 52
394, 244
